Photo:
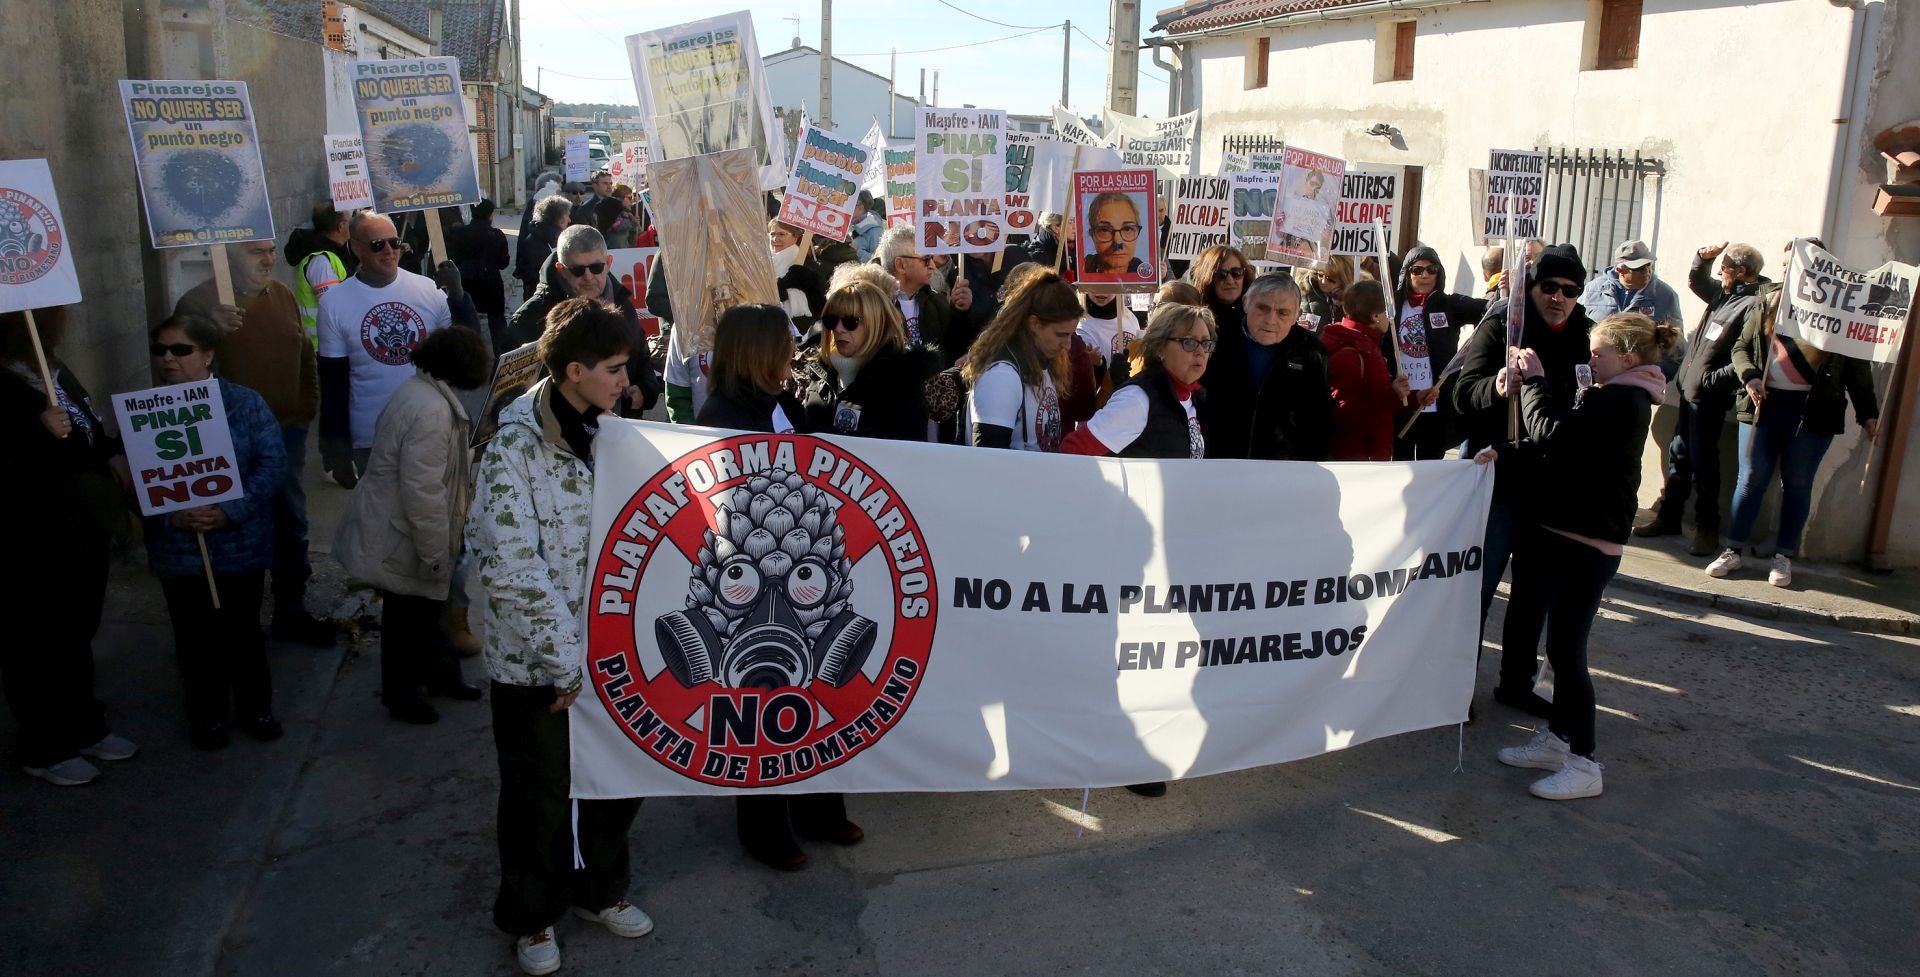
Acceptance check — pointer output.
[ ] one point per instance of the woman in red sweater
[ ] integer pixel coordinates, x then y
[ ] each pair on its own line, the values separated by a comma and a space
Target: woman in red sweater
1366, 394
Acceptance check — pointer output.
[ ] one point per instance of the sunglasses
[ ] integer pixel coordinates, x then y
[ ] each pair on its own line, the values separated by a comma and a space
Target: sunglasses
578, 270
1423, 270
1550, 289
835, 322
378, 245
179, 350
1197, 345
1233, 272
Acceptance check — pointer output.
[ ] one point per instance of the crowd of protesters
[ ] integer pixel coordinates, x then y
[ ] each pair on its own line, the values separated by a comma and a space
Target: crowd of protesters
868, 338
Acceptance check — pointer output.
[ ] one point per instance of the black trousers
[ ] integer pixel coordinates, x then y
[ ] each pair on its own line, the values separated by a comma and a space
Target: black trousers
1693, 467
1563, 587
539, 877
764, 819
222, 654
1430, 438
52, 609
414, 653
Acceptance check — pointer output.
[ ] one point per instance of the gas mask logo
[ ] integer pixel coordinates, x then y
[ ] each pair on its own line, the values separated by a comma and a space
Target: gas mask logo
799, 599
770, 602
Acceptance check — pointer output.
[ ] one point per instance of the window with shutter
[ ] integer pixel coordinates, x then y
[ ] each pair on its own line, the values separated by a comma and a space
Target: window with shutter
1403, 51
1257, 70
1619, 35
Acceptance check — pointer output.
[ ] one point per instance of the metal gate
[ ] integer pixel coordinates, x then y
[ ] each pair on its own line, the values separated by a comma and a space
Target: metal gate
1599, 198
1252, 144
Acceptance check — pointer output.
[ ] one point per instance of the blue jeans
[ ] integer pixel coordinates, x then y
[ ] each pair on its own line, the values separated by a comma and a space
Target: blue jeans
291, 567
1496, 549
1777, 441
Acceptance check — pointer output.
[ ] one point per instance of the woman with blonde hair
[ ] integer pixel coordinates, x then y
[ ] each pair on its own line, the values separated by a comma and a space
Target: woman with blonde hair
864, 380
1017, 370
1590, 451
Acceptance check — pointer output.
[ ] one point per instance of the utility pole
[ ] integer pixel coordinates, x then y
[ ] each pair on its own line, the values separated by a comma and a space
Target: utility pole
826, 64
936, 86
922, 100
893, 96
1123, 55
1066, 58
516, 115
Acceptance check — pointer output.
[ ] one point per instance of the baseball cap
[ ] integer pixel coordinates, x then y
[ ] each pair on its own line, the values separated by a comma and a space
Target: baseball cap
1633, 254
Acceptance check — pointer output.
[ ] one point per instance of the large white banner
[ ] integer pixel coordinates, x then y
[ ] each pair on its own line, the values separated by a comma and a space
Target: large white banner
1862, 314
798, 614
1165, 144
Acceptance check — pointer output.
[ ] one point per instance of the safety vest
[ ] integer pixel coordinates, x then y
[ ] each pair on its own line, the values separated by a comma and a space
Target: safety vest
307, 299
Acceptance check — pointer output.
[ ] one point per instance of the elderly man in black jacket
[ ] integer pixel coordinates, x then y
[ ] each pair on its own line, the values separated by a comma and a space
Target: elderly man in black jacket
942, 323
1707, 387
1429, 317
1267, 392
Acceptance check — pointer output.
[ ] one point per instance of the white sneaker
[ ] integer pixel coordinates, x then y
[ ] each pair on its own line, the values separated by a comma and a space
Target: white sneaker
1580, 777
1727, 562
1544, 752
539, 953
1781, 575
111, 747
621, 919
71, 772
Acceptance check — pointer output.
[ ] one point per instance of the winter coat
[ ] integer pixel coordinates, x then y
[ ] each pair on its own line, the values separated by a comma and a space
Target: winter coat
245, 543
530, 320
527, 538
1706, 373
63, 494
1323, 307
536, 246
866, 236
1590, 450
943, 330
1605, 295
1167, 434
1364, 401
403, 526
1837, 379
481, 252
1286, 415
1483, 412
886, 398
752, 411
1444, 315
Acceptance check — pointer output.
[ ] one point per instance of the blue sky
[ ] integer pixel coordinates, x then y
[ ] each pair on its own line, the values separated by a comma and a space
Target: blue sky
584, 40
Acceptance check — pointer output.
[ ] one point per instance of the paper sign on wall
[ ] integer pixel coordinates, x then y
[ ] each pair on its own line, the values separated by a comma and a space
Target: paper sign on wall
197, 159
178, 447
36, 256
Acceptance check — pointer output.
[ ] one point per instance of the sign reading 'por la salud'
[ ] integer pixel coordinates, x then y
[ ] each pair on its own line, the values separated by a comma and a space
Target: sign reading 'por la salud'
799, 614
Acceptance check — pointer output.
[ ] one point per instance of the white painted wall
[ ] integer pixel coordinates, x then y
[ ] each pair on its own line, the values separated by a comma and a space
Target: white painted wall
1737, 99
793, 76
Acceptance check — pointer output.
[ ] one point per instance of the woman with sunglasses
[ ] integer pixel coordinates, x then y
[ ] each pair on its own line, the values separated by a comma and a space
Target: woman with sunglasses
1221, 274
222, 654
71, 477
1428, 320
1017, 370
863, 380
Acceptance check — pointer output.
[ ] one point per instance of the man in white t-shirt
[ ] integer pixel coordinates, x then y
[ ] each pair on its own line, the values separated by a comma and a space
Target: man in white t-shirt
369, 327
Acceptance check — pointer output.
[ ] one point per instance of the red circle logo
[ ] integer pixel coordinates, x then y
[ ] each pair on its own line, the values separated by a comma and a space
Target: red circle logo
30, 239
762, 610
391, 331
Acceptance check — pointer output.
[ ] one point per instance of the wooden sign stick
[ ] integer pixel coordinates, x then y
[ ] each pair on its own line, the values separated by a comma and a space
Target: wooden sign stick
206, 563
40, 357
222, 274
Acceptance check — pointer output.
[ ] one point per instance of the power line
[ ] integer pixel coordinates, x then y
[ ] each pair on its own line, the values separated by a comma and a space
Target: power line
1144, 73
563, 74
1002, 23
950, 47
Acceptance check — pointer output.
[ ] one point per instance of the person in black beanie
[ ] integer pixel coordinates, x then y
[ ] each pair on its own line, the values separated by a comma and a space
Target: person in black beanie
1556, 329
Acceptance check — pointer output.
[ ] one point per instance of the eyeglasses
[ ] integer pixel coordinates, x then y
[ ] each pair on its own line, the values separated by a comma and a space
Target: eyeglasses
1106, 232
594, 268
378, 245
851, 323
925, 259
1550, 289
1234, 272
1196, 345
179, 350
1422, 270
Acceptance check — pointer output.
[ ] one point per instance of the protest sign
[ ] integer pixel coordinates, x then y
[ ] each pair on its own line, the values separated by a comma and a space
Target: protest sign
713, 220
1117, 214
347, 173
633, 267
1114, 630
1022, 148
1522, 175
702, 91
1366, 196
513, 374
36, 256
1054, 161
1200, 207
633, 165
197, 160
874, 181
1272, 162
1252, 197
825, 185
1164, 144
413, 120
579, 158
1234, 163
1073, 129
961, 180
1862, 314
178, 447
1303, 216
900, 184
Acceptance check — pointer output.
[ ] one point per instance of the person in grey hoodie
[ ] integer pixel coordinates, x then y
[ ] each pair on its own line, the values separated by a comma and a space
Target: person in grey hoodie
1707, 387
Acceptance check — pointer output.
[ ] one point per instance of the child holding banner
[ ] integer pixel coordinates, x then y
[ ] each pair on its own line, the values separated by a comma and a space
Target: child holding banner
66, 515
222, 654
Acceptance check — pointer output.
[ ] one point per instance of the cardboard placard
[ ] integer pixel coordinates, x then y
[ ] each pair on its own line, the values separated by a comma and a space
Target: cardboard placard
702, 91
347, 181
1523, 176
1163, 144
36, 256
413, 123
1303, 215
1116, 213
633, 267
960, 175
1862, 314
579, 165
178, 447
1365, 197
1252, 197
197, 160
1201, 205
900, 183
825, 184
